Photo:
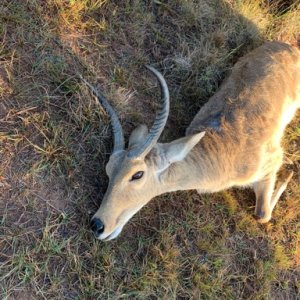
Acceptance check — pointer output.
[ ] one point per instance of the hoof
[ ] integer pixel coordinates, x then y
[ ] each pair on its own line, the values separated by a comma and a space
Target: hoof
263, 220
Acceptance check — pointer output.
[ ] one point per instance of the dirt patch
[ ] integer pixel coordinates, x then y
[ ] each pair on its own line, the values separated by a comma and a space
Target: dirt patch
21, 295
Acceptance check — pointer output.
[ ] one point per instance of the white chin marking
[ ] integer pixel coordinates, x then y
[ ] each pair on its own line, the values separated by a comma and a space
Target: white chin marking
126, 216
113, 235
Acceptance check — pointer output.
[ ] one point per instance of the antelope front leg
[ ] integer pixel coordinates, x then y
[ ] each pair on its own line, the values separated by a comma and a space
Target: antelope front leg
263, 191
266, 197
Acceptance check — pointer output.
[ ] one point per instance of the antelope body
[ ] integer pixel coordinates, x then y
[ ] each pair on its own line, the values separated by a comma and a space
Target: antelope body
234, 140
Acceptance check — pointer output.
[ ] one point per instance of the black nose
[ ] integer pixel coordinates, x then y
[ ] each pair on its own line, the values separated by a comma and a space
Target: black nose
97, 226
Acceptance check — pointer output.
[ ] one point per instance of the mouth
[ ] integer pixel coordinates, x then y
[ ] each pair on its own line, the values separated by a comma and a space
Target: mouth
123, 219
110, 236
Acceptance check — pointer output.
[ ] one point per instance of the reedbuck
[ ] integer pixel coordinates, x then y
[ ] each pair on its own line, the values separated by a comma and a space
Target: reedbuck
234, 140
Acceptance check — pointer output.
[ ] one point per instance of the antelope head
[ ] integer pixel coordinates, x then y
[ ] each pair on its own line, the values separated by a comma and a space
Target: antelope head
136, 175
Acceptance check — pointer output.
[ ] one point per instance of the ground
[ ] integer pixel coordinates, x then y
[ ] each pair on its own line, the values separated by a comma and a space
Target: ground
55, 141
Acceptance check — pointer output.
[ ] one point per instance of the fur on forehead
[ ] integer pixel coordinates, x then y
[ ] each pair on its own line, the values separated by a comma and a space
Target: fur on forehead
119, 159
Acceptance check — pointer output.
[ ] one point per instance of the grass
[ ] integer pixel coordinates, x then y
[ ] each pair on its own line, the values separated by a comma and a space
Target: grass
55, 141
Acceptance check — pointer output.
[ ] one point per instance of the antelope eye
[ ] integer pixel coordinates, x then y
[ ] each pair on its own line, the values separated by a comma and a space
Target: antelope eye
137, 175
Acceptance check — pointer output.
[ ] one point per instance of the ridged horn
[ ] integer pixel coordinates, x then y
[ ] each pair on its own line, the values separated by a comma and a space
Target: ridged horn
118, 136
160, 119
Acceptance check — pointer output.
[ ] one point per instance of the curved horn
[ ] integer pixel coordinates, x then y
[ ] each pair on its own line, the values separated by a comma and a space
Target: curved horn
115, 123
160, 119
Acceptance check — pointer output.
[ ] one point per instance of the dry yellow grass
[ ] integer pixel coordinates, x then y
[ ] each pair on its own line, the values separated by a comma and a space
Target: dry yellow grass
55, 141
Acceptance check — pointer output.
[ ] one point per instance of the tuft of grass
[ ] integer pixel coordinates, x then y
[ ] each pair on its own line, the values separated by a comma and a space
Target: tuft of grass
281, 259
78, 15
230, 201
286, 24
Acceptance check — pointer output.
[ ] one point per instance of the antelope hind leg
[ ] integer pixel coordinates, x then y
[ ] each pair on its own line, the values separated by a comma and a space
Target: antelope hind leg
283, 179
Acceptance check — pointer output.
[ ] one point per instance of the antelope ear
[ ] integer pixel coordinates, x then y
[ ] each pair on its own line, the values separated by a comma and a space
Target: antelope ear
176, 150
179, 149
137, 136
